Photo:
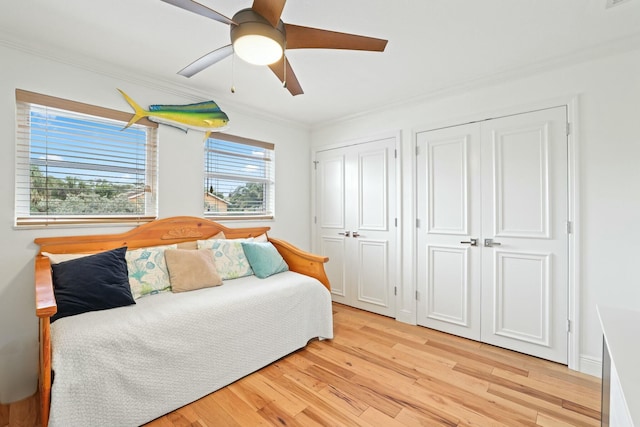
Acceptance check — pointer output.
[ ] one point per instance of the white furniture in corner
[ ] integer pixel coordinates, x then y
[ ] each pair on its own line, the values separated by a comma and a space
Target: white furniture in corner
620, 367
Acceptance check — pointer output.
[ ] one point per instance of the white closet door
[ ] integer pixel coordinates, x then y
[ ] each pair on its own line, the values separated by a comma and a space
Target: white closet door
449, 206
524, 212
355, 214
330, 219
503, 182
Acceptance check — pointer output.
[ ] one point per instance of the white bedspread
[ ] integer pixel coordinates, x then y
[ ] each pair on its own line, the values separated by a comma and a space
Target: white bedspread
127, 366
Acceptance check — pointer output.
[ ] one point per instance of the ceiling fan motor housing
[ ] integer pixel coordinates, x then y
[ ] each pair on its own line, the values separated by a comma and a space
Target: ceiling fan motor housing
252, 25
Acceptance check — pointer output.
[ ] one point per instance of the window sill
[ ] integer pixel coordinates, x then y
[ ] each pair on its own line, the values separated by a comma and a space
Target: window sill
239, 217
67, 222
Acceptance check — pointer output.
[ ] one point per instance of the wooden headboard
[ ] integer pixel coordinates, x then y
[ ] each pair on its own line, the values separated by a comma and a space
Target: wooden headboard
165, 231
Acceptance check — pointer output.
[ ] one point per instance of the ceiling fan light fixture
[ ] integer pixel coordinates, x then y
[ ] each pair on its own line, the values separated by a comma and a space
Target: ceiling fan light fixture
258, 50
255, 40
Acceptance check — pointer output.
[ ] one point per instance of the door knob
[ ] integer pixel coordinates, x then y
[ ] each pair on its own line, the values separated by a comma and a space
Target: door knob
346, 233
489, 243
356, 234
472, 242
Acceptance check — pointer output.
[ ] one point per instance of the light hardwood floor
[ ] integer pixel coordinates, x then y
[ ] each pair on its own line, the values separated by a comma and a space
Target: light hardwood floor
20, 414
379, 372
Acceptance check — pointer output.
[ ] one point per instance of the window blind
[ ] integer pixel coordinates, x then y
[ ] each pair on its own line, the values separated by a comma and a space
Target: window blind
239, 177
75, 163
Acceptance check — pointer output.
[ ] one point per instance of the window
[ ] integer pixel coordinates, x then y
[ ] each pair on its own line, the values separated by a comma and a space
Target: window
238, 178
76, 164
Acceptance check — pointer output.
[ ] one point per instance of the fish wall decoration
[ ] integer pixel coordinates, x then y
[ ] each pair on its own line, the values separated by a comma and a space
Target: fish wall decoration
205, 116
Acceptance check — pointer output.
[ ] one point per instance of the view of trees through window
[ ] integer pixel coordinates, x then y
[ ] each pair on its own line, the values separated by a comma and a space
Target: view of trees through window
74, 196
71, 164
245, 198
80, 166
238, 177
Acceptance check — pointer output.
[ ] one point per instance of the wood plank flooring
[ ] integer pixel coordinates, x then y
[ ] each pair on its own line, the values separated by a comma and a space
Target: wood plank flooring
20, 414
379, 372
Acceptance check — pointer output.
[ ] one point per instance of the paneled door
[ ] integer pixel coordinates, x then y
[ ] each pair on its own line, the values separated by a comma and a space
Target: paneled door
450, 230
506, 179
525, 246
355, 219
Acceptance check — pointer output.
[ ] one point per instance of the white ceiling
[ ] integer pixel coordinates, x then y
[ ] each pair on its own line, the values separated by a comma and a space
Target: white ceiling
435, 46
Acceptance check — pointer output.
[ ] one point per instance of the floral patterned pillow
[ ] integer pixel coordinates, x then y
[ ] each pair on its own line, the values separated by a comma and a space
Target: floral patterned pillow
229, 257
148, 273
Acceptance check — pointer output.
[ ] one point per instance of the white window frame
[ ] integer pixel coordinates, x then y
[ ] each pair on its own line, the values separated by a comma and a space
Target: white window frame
266, 161
25, 102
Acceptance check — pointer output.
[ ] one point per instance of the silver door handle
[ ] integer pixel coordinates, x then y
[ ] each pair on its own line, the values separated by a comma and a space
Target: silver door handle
346, 233
489, 243
356, 234
472, 242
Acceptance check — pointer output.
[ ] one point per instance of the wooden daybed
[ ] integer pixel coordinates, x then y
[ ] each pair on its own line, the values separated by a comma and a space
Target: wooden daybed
159, 232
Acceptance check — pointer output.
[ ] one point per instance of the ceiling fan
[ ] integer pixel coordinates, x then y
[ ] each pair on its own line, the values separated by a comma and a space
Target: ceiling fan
259, 36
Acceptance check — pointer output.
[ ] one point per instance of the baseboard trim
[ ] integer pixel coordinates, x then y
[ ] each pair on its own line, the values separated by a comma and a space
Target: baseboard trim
591, 366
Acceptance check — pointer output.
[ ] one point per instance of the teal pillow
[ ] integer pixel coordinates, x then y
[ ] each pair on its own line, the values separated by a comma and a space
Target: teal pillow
264, 258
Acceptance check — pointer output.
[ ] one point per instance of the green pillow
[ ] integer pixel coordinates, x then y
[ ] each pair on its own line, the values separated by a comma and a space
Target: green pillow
264, 258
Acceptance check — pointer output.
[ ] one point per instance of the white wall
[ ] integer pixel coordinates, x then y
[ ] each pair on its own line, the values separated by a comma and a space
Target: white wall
608, 90
180, 189
609, 139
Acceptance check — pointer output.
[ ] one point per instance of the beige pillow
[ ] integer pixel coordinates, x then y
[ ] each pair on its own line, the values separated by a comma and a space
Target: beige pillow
191, 269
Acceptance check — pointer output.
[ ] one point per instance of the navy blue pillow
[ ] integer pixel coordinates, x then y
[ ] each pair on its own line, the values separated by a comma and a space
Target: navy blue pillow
95, 282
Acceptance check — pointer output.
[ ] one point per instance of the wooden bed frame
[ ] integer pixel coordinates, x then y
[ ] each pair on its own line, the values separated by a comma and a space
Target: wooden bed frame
159, 232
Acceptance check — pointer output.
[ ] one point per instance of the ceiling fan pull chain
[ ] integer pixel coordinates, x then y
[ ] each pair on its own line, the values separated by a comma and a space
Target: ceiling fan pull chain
233, 73
284, 63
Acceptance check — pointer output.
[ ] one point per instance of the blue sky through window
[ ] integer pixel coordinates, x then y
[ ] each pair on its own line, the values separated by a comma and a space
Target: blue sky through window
88, 149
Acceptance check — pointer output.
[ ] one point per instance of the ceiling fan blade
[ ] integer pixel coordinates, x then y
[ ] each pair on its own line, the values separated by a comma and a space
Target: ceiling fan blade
200, 9
292, 83
299, 37
206, 61
269, 9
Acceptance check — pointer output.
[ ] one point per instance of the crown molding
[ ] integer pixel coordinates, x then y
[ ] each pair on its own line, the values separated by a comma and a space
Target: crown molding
155, 82
610, 48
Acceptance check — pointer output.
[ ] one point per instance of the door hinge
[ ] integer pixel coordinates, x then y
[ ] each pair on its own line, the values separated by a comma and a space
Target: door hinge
395, 221
395, 153
417, 150
417, 223
395, 290
315, 164
568, 129
417, 299
568, 325
569, 227
315, 219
